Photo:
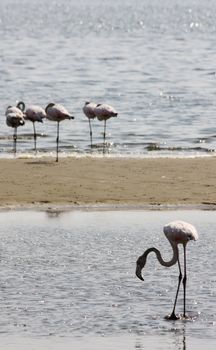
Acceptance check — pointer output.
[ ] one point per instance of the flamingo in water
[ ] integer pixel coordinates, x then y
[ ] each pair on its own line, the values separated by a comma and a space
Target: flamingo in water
104, 112
14, 119
88, 110
57, 113
177, 232
34, 114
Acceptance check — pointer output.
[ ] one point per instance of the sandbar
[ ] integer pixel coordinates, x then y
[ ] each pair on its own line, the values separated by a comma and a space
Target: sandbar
89, 181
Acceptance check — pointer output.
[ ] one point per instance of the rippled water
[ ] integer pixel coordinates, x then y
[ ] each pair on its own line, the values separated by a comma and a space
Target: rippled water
71, 274
153, 61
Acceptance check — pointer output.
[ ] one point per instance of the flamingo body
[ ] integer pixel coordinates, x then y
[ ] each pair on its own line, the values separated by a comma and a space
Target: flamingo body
89, 110
14, 120
35, 114
180, 232
177, 232
16, 112
57, 112
104, 112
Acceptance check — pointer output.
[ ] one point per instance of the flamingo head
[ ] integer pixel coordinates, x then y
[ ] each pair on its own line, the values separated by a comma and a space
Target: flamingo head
139, 266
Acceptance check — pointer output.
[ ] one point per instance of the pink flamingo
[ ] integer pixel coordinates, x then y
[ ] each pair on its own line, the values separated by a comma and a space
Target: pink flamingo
35, 114
104, 112
14, 119
177, 232
88, 110
57, 113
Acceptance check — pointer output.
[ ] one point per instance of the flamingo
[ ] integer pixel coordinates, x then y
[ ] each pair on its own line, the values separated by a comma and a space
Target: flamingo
88, 110
14, 119
34, 114
57, 113
177, 232
104, 112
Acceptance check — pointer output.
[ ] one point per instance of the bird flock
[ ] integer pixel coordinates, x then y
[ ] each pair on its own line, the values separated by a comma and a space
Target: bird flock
17, 115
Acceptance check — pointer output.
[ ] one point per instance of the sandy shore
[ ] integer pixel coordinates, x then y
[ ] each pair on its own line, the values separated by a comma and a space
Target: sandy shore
118, 181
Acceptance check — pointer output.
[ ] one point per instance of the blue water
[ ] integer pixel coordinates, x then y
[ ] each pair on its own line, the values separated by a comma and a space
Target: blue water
153, 60
71, 276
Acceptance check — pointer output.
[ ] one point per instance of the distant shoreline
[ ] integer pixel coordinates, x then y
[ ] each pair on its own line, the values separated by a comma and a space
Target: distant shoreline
108, 183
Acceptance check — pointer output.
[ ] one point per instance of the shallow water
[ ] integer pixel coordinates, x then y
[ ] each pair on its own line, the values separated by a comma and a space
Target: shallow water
153, 61
68, 277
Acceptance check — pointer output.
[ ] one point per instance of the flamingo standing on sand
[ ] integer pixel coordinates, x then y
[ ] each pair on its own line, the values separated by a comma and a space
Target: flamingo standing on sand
177, 232
104, 112
88, 110
57, 113
14, 119
34, 114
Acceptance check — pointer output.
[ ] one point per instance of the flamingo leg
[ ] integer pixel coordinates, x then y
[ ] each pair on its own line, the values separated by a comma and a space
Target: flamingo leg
104, 136
15, 140
90, 128
57, 142
35, 138
173, 315
184, 281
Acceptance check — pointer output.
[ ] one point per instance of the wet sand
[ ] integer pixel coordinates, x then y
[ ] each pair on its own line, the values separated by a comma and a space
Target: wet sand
108, 181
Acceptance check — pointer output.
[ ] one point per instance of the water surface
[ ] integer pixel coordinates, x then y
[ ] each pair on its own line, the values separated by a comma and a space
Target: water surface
69, 277
153, 61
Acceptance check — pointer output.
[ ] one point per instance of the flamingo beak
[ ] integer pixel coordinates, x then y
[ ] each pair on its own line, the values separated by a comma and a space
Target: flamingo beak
139, 272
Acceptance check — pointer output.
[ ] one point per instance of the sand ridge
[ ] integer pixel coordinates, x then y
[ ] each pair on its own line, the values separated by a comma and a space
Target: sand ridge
109, 181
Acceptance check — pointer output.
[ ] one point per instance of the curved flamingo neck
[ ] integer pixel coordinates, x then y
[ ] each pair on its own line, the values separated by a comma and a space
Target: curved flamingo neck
159, 257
